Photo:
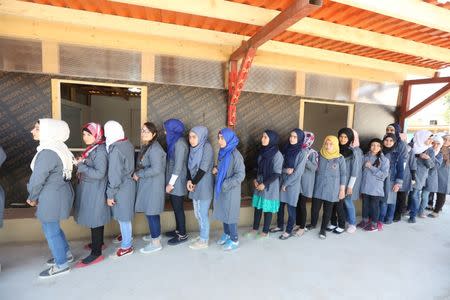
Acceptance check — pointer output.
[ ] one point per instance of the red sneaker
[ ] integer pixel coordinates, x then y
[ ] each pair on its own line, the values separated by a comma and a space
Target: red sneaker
81, 264
118, 239
379, 226
361, 224
371, 228
122, 252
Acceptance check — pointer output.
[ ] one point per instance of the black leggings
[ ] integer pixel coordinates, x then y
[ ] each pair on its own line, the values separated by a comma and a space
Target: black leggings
257, 220
326, 215
400, 207
97, 240
301, 212
338, 214
178, 209
440, 201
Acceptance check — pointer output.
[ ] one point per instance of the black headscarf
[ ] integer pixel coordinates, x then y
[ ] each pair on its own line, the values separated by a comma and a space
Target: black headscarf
290, 151
346, 150
389, 149
265, 166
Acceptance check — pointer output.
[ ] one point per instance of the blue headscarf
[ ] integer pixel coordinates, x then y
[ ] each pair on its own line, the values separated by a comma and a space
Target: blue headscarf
175, 130
265, 166
290, 151
225, 157
196, 153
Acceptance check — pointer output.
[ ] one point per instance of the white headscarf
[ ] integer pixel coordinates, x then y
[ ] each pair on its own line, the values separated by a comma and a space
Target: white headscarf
53, 134
438, 139
113, 133
420, 137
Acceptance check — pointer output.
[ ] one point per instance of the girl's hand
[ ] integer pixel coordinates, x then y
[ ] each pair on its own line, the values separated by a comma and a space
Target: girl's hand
283, 188
32, 203
169, 188
289, 171
368, 164
396, 188
261, 187
135, 177
215, 171
255, 183
190, 186
341, 193
349, 191
424, 156
111, 202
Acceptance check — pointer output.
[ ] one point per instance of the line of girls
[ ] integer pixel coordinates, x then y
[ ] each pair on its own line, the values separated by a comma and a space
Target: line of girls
111, 185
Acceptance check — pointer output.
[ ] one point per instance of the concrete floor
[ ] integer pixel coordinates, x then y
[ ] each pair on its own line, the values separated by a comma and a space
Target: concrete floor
402, 262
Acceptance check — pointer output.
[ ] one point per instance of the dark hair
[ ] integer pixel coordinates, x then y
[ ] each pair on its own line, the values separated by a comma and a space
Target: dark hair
378, 160
87, 130
152, 128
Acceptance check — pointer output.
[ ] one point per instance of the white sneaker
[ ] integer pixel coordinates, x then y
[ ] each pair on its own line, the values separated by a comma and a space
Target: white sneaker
147, 238
199, 245
150, 248
351, 229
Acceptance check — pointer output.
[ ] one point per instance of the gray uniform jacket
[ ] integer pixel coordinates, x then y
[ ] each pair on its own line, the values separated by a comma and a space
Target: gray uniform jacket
423, 167
272, 191
177, 165
373, 178
309, 175
204, 189
292, 182
330, 176
431, 185
2, 192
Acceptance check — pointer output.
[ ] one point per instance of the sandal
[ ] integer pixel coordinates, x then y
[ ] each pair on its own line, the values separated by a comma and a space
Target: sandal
275, 229
300, 232
285, 236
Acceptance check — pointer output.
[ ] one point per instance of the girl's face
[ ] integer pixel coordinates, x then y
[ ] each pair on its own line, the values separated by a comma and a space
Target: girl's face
375, 148
328, 145
146, 135
343, 139
193, 139
35, 132
221, 141
388, 142
293, 138
390, 129
265, 139
436, 145
428, 141
88, 138
447, 141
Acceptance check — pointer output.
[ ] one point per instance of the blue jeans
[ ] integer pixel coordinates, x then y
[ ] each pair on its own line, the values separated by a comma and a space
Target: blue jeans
57, 243
126, 230
424, 201
201, 211
350, 210
154, 225
231, 230
292, 216
386, 212
415, 203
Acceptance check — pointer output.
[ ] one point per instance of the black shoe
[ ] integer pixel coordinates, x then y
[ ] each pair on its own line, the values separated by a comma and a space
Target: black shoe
53, 271
322, 235
338, 230
171, 234
396, 220
178, 239
310, 227
412, 220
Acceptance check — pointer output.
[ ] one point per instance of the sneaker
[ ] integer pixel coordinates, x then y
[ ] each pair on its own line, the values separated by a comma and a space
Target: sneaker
150, 248
198, 245
53, 271
433, 215
338, 230
89, 261
262, 236
422, 216
171, 234
379, 226
412, 220
275, 229
223, 239
351, 229
89, 246
178, 239
122, 252
117, 239
371, 228
322, 235
251, 234
429, 207
310, 227
147, 238
230, 246
285, 236
361, 224
70, 259
331, 228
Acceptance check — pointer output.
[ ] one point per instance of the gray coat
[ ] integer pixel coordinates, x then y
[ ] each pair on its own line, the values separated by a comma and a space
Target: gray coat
91, 209
309, 175
47, 185
354, 169
121, 186
292, 182
204, 189
177, 165
373, 178
330, 176
151, 184
272, 191
390, 197
228, 205
444, 178
410, 164
431, 185
2, 192
423, 167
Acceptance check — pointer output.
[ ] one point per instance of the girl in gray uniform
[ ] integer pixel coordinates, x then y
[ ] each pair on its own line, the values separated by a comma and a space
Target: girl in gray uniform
266, 197
431, 185
50, 190
329, 186
394, 180
307, 183
443, 178
176, 177
150, 178
121, 189
230, 173
2, 192
293, 168
376, 170
200, 181
424, 161
91, 209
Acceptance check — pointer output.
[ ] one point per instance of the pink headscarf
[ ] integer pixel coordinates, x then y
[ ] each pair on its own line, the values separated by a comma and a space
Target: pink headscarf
355, 143
309, 140
97, 132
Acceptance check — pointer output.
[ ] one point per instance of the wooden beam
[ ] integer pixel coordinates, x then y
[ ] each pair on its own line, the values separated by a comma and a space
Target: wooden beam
415, 11
237, 12
405, 102
300, 83
296, 11
50, 57
435, 96
147, 67
429, 80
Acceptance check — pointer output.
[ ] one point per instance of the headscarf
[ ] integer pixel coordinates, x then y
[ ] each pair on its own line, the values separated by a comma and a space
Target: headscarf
290, 151
175, 130
378, 160
53, 134
309, 141
97, 132
345, 149
420, 137
397, 128
333, 153
196, 153
267, 153
389, 149
113, 133
445, 150
355, 143
438, 139
225, 157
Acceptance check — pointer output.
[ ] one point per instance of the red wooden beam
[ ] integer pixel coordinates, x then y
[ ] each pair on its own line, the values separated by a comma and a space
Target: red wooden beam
441, 92
288, 17
429, 80
405, 101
